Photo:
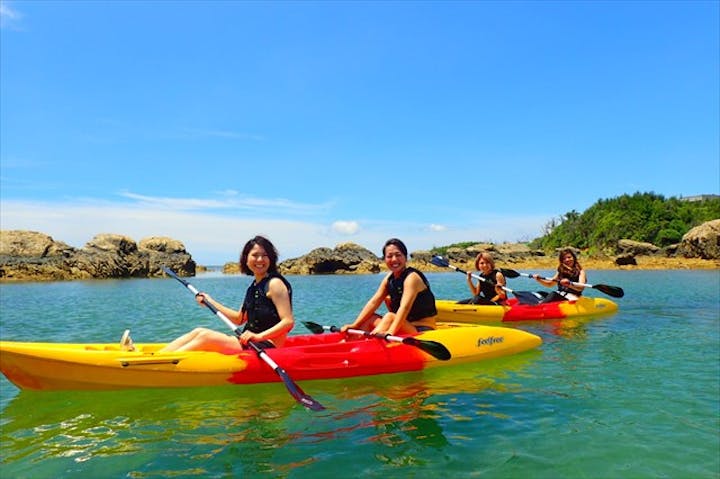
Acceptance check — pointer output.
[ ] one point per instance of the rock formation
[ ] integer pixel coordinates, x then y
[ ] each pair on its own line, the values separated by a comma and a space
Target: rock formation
702, 241
344, 258
29, 255
634, 248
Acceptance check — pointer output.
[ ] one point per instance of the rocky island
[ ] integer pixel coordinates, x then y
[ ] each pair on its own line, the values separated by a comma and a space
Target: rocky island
34, 256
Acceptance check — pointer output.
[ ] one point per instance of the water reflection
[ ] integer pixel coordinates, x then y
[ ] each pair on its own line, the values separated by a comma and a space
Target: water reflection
255, 429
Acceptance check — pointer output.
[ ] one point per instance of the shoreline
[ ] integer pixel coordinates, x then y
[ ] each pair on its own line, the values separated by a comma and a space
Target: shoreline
643, 263
648, 263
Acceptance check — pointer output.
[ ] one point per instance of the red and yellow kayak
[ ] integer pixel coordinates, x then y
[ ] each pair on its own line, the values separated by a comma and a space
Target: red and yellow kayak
449, 310
53, 366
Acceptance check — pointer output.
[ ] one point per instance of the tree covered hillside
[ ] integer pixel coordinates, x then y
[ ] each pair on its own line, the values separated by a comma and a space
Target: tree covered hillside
646, 217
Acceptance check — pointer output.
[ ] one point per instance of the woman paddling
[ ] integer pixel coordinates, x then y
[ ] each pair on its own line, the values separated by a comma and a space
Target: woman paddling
266, 311
568, 271
489, 290
411, 303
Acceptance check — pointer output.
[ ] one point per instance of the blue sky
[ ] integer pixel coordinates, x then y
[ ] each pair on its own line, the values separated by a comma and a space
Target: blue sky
317, 123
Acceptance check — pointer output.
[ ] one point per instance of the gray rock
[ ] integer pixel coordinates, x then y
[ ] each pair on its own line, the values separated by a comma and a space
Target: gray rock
344, 258
625, 260
702, 241
29, 255
637, 248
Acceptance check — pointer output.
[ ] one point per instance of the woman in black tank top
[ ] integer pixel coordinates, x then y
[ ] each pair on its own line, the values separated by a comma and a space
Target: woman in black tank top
569, 271
489, 291
267, 308
407, 294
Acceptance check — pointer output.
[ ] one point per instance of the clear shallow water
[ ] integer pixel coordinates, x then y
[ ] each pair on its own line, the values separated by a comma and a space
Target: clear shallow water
636, 394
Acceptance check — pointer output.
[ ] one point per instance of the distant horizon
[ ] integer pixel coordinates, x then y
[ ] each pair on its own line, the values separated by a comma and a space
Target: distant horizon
697, 197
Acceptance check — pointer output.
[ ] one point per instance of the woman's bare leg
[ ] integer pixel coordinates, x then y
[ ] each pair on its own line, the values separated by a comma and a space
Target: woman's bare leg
203, 339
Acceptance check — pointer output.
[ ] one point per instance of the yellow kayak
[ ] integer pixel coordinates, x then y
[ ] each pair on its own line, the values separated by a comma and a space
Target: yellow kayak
52, 366
449, 310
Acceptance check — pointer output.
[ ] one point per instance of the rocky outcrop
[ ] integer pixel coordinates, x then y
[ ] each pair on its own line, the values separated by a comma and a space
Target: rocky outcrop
626, 260
702, 241
628, 247
501, 253
29, 255
352, 258
344, 258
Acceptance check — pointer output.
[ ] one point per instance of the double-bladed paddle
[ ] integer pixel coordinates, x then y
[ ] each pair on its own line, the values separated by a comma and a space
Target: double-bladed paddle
433, 348
295, 390
614, 291
523, 296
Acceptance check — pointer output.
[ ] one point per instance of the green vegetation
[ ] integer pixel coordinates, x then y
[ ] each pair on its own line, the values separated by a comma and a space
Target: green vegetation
442, 250
646, 217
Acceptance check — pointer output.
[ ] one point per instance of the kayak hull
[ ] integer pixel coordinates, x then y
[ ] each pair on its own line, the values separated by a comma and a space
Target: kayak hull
82, 366
449, 310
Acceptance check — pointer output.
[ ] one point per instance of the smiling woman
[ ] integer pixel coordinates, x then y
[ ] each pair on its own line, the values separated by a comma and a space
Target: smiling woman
405, 291
266, 311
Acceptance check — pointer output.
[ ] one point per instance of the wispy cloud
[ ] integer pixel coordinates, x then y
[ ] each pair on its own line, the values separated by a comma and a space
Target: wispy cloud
12, 162
196, 133
9, 17
230, 200
435, 227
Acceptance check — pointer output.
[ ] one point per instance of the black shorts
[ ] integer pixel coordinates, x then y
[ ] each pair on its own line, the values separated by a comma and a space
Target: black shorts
267, 344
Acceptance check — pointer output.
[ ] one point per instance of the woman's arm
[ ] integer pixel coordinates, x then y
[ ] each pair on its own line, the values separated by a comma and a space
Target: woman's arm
500, 295
545, 282
370, 307
279, 295
475, 290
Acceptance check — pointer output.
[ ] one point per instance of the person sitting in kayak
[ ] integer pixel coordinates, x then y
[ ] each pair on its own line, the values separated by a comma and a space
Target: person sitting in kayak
411, 305
490, 291
569, 271
266, 311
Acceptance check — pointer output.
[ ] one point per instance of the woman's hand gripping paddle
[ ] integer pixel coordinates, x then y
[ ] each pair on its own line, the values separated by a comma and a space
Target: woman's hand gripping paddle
614, 291
526, 297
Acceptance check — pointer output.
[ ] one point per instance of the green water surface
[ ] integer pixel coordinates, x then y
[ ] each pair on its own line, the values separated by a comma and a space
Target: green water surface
632, 395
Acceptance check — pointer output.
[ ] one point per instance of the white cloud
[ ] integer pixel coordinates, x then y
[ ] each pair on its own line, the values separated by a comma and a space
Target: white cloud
215, 235
346, 227
9, 17
230, 200
435, 227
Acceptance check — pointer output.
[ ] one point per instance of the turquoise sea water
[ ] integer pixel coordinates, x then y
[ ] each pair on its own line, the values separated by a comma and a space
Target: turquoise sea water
632, 395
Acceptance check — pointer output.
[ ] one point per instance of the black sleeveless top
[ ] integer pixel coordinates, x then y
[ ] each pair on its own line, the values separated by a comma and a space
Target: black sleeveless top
261, 311
487, 287
575, 277
424, 305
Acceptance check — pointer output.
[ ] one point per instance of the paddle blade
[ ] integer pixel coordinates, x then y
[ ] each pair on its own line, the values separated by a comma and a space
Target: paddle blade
314, 328
526, 297
440, 261
296, 392
613, 291
172, 274
433, 348
509, 273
